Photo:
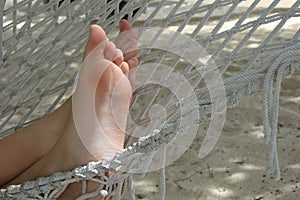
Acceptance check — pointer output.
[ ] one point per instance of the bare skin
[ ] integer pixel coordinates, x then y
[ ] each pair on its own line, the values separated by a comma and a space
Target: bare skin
61, 152
19, 150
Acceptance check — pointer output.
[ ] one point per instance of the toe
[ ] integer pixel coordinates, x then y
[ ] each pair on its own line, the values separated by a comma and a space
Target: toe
127, 40
124, 67
118, 57
130, 54
113, 54
125, 25
129, 48
133, 63
109, 51
97, 35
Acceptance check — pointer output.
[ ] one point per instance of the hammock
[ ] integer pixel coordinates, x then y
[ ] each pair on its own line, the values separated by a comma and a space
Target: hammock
41, 51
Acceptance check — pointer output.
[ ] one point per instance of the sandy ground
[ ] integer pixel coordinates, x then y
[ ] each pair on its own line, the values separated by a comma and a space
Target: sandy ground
236, 168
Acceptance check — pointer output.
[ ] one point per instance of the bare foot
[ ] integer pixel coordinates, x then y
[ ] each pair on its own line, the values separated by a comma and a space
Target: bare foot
113, 89
127, 42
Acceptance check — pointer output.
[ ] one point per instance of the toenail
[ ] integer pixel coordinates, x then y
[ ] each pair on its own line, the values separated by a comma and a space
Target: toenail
118, 54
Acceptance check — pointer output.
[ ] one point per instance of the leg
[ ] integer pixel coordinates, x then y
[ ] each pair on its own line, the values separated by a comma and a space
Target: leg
22, 149
19, 151
69, 152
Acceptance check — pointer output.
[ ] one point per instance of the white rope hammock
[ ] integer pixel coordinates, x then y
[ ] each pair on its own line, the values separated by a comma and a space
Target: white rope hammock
41, 51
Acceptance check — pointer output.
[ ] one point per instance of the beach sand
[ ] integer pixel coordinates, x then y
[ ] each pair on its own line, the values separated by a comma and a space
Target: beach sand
236, 167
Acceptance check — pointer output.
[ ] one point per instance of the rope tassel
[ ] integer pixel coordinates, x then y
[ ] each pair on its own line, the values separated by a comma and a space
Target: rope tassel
286, 63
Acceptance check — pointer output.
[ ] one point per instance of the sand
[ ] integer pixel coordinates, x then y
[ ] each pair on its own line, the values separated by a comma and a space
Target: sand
236, 167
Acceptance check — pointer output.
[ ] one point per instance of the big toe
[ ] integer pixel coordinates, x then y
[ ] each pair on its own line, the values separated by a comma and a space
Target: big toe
125, 25
97, 35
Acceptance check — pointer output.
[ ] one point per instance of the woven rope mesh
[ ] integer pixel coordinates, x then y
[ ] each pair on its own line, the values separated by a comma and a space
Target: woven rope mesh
42, 47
